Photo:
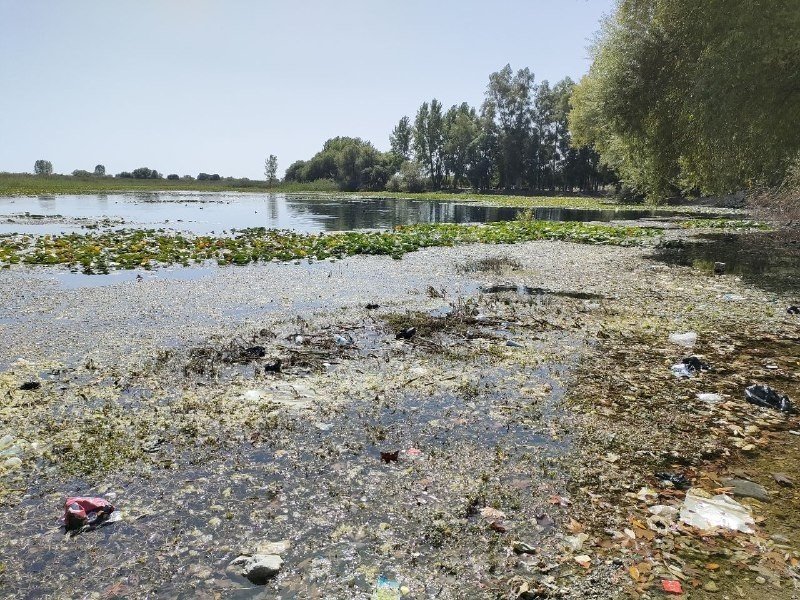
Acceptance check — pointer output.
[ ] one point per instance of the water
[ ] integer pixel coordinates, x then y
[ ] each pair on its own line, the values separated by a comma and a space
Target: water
769, 260
206, 213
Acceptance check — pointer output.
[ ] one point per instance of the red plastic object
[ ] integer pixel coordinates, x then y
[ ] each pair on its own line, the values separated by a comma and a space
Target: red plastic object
80, 511
672, 586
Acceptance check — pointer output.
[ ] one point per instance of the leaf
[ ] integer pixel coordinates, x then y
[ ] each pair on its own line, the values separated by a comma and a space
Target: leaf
634, 573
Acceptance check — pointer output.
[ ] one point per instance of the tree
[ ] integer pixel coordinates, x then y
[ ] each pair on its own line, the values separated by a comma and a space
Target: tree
429, 140
173, 177
271, 169
43, 167
81, 173
460, 129
145, 173
686, 96
100, 171
511, 96
400, 141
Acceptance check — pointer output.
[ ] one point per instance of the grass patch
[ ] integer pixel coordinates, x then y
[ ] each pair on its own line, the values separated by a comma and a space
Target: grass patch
491, 264
137, 248
736, 224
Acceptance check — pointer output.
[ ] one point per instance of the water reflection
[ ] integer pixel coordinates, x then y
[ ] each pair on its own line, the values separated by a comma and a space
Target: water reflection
207, 213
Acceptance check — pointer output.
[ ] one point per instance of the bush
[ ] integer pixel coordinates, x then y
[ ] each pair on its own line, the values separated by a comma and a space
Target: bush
173, 177
81, 173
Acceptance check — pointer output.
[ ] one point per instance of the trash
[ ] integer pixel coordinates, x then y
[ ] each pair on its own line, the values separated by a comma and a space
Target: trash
583, 560
274, 366
662, 517
406, 334
793, 310
671, 586
695, 364
513, 344
390, 456
704, 511
710, 398
732, 297
386, 589
719, 268
680, 370
763, 395
414, 452
29, 386
324, 426
677, 480
341, 340
687, 340
252, 395
254, 352
372, 306
80, 511
575, 542
783, 479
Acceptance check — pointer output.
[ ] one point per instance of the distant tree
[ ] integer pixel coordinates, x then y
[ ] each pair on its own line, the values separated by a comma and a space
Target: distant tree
125, 175
203, 177
187, 178
429, 140
271, 169
43, 167
173, 177
142, 173
215, 177
100, 170
400, 141
460, 129
295, 171
81, 173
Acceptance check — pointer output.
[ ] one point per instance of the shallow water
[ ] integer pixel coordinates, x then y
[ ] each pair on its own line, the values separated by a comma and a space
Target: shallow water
768, 260
217, 212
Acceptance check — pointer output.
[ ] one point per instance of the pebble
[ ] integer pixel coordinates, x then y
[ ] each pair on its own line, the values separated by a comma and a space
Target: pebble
760, 580
746, 489
711, 587
260, 568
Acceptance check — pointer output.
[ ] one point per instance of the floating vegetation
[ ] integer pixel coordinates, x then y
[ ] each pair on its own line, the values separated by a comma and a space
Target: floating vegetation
138, 248
737, 224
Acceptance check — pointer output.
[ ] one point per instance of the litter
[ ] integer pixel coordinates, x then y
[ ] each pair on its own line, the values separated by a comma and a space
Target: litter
709, 397
678, 480
680, 370
80, 511
386, 589
372, 306
254, 352
695, 364
29, 386
705, 512
390, 456
763, 395
513, 344
793, 310
406, 334
274, 366
671, 586
687, 340
719, 268
342, 340
732, 297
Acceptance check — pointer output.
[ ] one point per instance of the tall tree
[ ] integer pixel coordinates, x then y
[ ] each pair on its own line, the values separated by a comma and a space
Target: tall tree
460, 130
429, 140
43, 167
100, 170
400, 141
271, 169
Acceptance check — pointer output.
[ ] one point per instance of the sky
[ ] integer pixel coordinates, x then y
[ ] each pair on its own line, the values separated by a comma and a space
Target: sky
185, 86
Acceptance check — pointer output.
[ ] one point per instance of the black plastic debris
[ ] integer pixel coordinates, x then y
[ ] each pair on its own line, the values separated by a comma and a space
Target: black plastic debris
371, 306
29, 386
406, 334
390, 456
273, 367
695, 364
678, 480
254, 352
793, 310
763, 395
719, 268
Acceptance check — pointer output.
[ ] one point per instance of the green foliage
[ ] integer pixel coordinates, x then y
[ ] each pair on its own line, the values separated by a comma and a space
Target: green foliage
687, 96
99, 170
271, 169
136, 248
429, 141
43, 167
400, 141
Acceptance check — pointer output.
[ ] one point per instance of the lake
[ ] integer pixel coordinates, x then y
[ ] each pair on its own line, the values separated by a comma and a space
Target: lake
205, 213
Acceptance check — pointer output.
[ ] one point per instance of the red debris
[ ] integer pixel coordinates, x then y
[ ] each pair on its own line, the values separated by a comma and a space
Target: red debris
80, 511
672, 586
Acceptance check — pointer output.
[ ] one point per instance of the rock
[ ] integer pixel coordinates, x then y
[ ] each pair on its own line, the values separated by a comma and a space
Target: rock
761, 580
259, 568
711, 587
746, 489
719, 268
783, 479
523, 548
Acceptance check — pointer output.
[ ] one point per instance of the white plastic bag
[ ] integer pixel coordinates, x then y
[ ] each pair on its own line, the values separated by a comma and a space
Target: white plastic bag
707, 512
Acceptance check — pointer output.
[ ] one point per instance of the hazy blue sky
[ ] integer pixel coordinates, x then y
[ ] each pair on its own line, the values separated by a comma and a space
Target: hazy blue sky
198, 85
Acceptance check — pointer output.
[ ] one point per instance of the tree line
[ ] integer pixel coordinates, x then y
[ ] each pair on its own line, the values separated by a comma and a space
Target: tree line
518, 139
686, 97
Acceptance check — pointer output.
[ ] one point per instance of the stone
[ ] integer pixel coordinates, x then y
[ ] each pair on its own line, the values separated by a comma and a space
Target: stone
746, 489
259, 568
711, 587
279, 548
523, 548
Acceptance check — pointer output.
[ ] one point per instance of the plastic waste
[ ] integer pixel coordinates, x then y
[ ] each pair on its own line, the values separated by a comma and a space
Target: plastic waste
80, 511
687, 340
793, 310
390, 456
680, 370
273, 367
372, 306
386, 589
732, 297
709, 397
719, 268
763, 395
678, 480
254, 352
704, 511
342, 340
694, 364
406, 334
671, 586
513, 344
29, 386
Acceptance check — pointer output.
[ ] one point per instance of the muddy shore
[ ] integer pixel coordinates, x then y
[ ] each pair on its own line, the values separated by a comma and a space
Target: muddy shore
529, 411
